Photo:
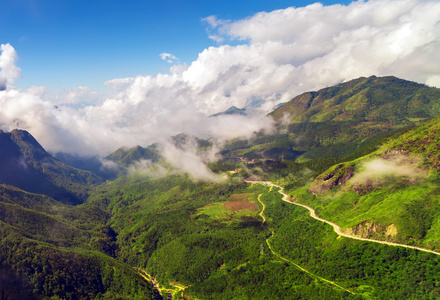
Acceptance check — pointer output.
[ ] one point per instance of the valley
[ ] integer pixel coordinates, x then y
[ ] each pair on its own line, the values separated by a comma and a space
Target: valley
362, 157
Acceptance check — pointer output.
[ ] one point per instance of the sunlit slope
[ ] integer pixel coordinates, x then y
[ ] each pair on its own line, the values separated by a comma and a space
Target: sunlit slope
25, 164
374, 99
209, 241
391, 194
335, 121
205, 237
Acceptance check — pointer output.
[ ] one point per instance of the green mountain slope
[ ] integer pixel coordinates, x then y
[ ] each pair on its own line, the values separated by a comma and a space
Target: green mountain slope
391, 194
336, 121
370, 99
231, 239
209, 241
25, 164
207, 238
125, 157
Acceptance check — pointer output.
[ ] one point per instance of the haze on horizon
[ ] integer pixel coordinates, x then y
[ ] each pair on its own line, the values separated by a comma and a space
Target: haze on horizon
256, 62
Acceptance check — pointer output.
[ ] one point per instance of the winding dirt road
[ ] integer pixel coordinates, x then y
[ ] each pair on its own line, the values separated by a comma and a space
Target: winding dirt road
262, 211
304, 270
289, 261
336, 228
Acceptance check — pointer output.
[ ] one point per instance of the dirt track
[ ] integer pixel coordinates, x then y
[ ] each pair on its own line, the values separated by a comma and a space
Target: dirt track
289, 261
336, 228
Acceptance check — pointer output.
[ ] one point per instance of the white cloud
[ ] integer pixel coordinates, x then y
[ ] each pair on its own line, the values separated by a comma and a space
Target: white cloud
39, 91
78, 96
283, 53
186, 159
8, 70
168, 57
330, 44
214, 22
216, 28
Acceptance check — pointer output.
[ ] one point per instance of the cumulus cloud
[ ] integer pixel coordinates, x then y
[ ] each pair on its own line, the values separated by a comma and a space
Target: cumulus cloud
8, 70
274, 57
323, 45
39, 91
216, 29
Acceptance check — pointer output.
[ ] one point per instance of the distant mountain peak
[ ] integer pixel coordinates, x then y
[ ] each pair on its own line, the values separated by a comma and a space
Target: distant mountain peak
233, 110
127, 156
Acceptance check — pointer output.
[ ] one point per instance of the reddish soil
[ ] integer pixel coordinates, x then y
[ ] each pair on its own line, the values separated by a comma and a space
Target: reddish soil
239, 197
240, 205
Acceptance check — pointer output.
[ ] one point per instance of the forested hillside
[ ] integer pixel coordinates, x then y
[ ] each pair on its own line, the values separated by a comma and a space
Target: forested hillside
390, 194
52, 250
335, 121
364, 154
211, 240
25, 164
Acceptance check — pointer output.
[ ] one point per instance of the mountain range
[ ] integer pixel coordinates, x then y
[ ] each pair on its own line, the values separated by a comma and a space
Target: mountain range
336, 121
364, 154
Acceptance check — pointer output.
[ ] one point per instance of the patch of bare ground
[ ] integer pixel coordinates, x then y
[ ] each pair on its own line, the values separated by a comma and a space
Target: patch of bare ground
325, 182
367, 229
240, 205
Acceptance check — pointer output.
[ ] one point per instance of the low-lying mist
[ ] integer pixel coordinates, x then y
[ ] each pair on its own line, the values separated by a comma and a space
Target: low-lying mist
279, 55
375, 171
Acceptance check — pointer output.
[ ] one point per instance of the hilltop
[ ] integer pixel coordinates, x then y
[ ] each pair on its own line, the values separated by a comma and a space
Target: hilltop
335, 121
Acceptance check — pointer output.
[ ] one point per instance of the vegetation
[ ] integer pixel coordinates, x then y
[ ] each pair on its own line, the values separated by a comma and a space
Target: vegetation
26, 165
52, 250
335, 121
357, 152
401, 177
206, 237
126, 157
371, 271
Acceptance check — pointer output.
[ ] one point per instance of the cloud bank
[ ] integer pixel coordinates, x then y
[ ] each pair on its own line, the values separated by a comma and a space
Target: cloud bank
271, 57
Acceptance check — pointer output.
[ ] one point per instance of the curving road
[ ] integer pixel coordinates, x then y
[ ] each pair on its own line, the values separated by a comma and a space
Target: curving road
336, 228
262, 211
289, 261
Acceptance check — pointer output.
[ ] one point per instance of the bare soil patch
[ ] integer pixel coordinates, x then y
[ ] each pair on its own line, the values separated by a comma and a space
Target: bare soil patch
240, 205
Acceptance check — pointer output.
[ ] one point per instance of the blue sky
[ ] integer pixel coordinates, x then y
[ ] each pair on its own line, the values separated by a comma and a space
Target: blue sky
73, 43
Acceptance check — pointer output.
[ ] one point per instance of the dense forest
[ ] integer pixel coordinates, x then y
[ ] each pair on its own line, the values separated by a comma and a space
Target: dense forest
353, 152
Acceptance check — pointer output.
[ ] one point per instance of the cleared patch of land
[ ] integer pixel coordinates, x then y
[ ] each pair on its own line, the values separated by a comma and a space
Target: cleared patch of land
234, 209
241, 205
